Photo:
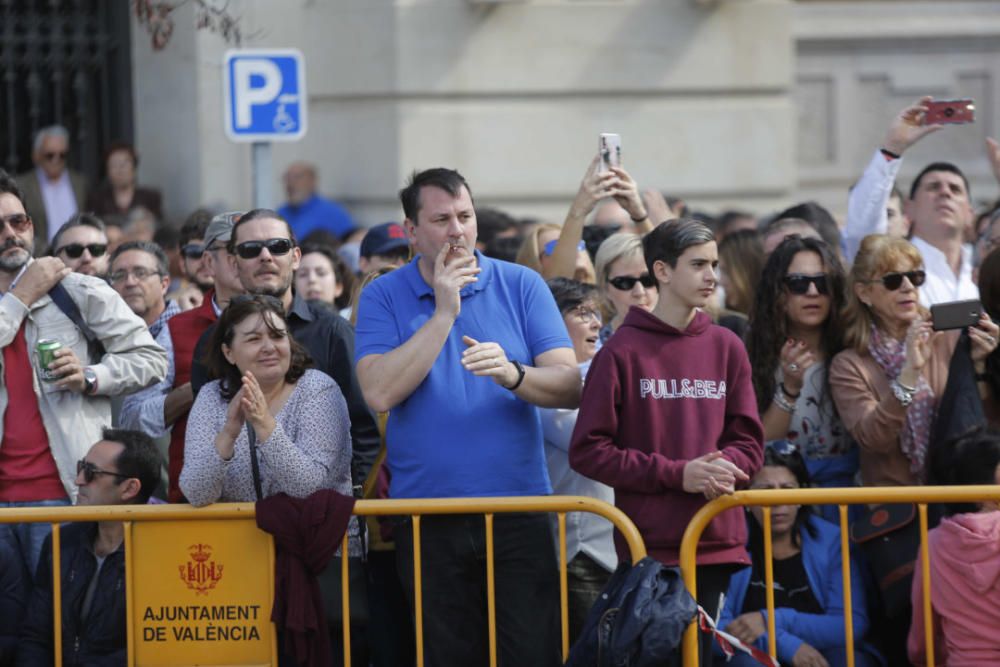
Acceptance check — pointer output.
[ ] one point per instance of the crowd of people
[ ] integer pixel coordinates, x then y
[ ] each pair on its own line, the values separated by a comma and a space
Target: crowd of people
641, 353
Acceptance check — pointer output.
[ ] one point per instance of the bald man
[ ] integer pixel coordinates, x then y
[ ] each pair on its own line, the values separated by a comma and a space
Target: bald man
306, 211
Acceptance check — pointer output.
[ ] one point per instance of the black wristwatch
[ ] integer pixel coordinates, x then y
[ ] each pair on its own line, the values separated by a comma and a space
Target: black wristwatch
520, 375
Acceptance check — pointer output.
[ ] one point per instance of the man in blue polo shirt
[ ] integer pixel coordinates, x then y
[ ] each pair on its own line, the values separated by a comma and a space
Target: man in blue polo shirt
460, 349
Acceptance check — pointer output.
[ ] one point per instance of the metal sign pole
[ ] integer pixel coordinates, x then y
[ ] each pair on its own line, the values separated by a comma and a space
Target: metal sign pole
263, 195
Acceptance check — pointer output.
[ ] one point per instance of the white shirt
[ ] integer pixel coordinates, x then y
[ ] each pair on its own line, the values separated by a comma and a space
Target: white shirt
942, 284
58, 198
866, 214
866, 203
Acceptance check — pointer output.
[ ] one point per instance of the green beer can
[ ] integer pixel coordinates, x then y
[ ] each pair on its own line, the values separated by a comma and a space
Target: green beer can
46, 355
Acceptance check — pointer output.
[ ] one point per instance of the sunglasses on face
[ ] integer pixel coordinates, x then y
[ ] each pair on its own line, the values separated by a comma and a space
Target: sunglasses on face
252, 249
550, 247
75, 250
798, 283
626, 283
90, 471
893, 281
19, 222
56, 156
193, 251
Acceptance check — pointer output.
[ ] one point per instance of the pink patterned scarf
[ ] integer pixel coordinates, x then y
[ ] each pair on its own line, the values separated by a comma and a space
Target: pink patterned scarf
890, 355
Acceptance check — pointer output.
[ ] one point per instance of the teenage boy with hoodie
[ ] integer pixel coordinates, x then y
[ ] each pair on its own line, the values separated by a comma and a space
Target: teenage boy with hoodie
668, 416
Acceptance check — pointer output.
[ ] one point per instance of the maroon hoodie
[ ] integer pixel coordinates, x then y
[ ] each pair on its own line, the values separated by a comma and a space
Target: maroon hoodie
654, 399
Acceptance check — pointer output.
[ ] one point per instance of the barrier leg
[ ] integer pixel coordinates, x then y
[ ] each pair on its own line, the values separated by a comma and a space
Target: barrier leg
129, 597
925, 572
845, 568
491, 600
57, 595
563, 587
772, 641
418, 593
345, 599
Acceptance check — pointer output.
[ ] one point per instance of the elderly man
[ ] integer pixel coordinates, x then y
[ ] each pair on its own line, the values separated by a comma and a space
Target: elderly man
306, 211
82, 245
52, 191
104, 351
939, 208
460, 349
120, 469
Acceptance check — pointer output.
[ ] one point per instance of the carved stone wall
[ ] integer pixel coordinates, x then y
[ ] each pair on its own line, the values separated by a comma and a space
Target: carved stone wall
858, 64
750, 103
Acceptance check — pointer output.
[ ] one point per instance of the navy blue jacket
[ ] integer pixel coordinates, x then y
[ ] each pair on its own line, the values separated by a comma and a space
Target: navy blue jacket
638, 620
13, 598
824, 632
98, 641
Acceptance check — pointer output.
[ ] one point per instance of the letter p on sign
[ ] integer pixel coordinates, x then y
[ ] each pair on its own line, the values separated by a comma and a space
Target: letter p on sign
265, 95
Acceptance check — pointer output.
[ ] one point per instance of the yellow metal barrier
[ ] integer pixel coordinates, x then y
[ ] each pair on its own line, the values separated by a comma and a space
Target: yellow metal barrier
921, 495
133, 515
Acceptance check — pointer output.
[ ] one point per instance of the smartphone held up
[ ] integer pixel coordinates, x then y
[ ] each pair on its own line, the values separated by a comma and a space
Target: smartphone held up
610, 147
950, 112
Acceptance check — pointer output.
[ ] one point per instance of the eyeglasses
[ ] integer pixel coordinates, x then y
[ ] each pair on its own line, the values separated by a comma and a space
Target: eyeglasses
55, 155
19, 222
90, 471
252, 249
550, 247
193, 250
626, 283
75, 250
139, 273
893, 281
585, 314
798, 283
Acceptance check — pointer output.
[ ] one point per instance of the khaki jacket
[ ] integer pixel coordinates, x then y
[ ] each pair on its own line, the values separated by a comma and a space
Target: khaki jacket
132, 360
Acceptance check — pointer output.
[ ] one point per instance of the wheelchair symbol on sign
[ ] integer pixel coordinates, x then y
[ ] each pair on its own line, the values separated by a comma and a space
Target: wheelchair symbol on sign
283, 122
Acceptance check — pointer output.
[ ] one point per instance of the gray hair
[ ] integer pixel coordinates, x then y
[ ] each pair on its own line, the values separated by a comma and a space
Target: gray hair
163, 264
49, 131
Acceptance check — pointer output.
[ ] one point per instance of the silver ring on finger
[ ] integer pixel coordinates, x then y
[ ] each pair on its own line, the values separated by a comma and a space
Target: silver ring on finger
793, 367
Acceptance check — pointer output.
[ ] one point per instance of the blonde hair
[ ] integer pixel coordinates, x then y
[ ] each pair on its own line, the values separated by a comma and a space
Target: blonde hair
360, 285
879, 254
530, 251
613, 248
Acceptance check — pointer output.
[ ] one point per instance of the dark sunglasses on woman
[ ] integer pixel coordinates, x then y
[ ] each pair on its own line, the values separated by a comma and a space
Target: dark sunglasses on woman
75, 250
626, 283
252, 249
798, 283
893, 281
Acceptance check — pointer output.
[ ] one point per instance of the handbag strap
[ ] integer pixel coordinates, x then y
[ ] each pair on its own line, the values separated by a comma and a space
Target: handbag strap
254, 465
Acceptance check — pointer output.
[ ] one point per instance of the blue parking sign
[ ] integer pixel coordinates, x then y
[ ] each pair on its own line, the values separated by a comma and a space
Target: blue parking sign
265, 95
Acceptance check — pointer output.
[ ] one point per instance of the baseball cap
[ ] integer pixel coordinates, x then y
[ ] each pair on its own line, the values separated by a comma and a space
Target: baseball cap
384, 238
221, 227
